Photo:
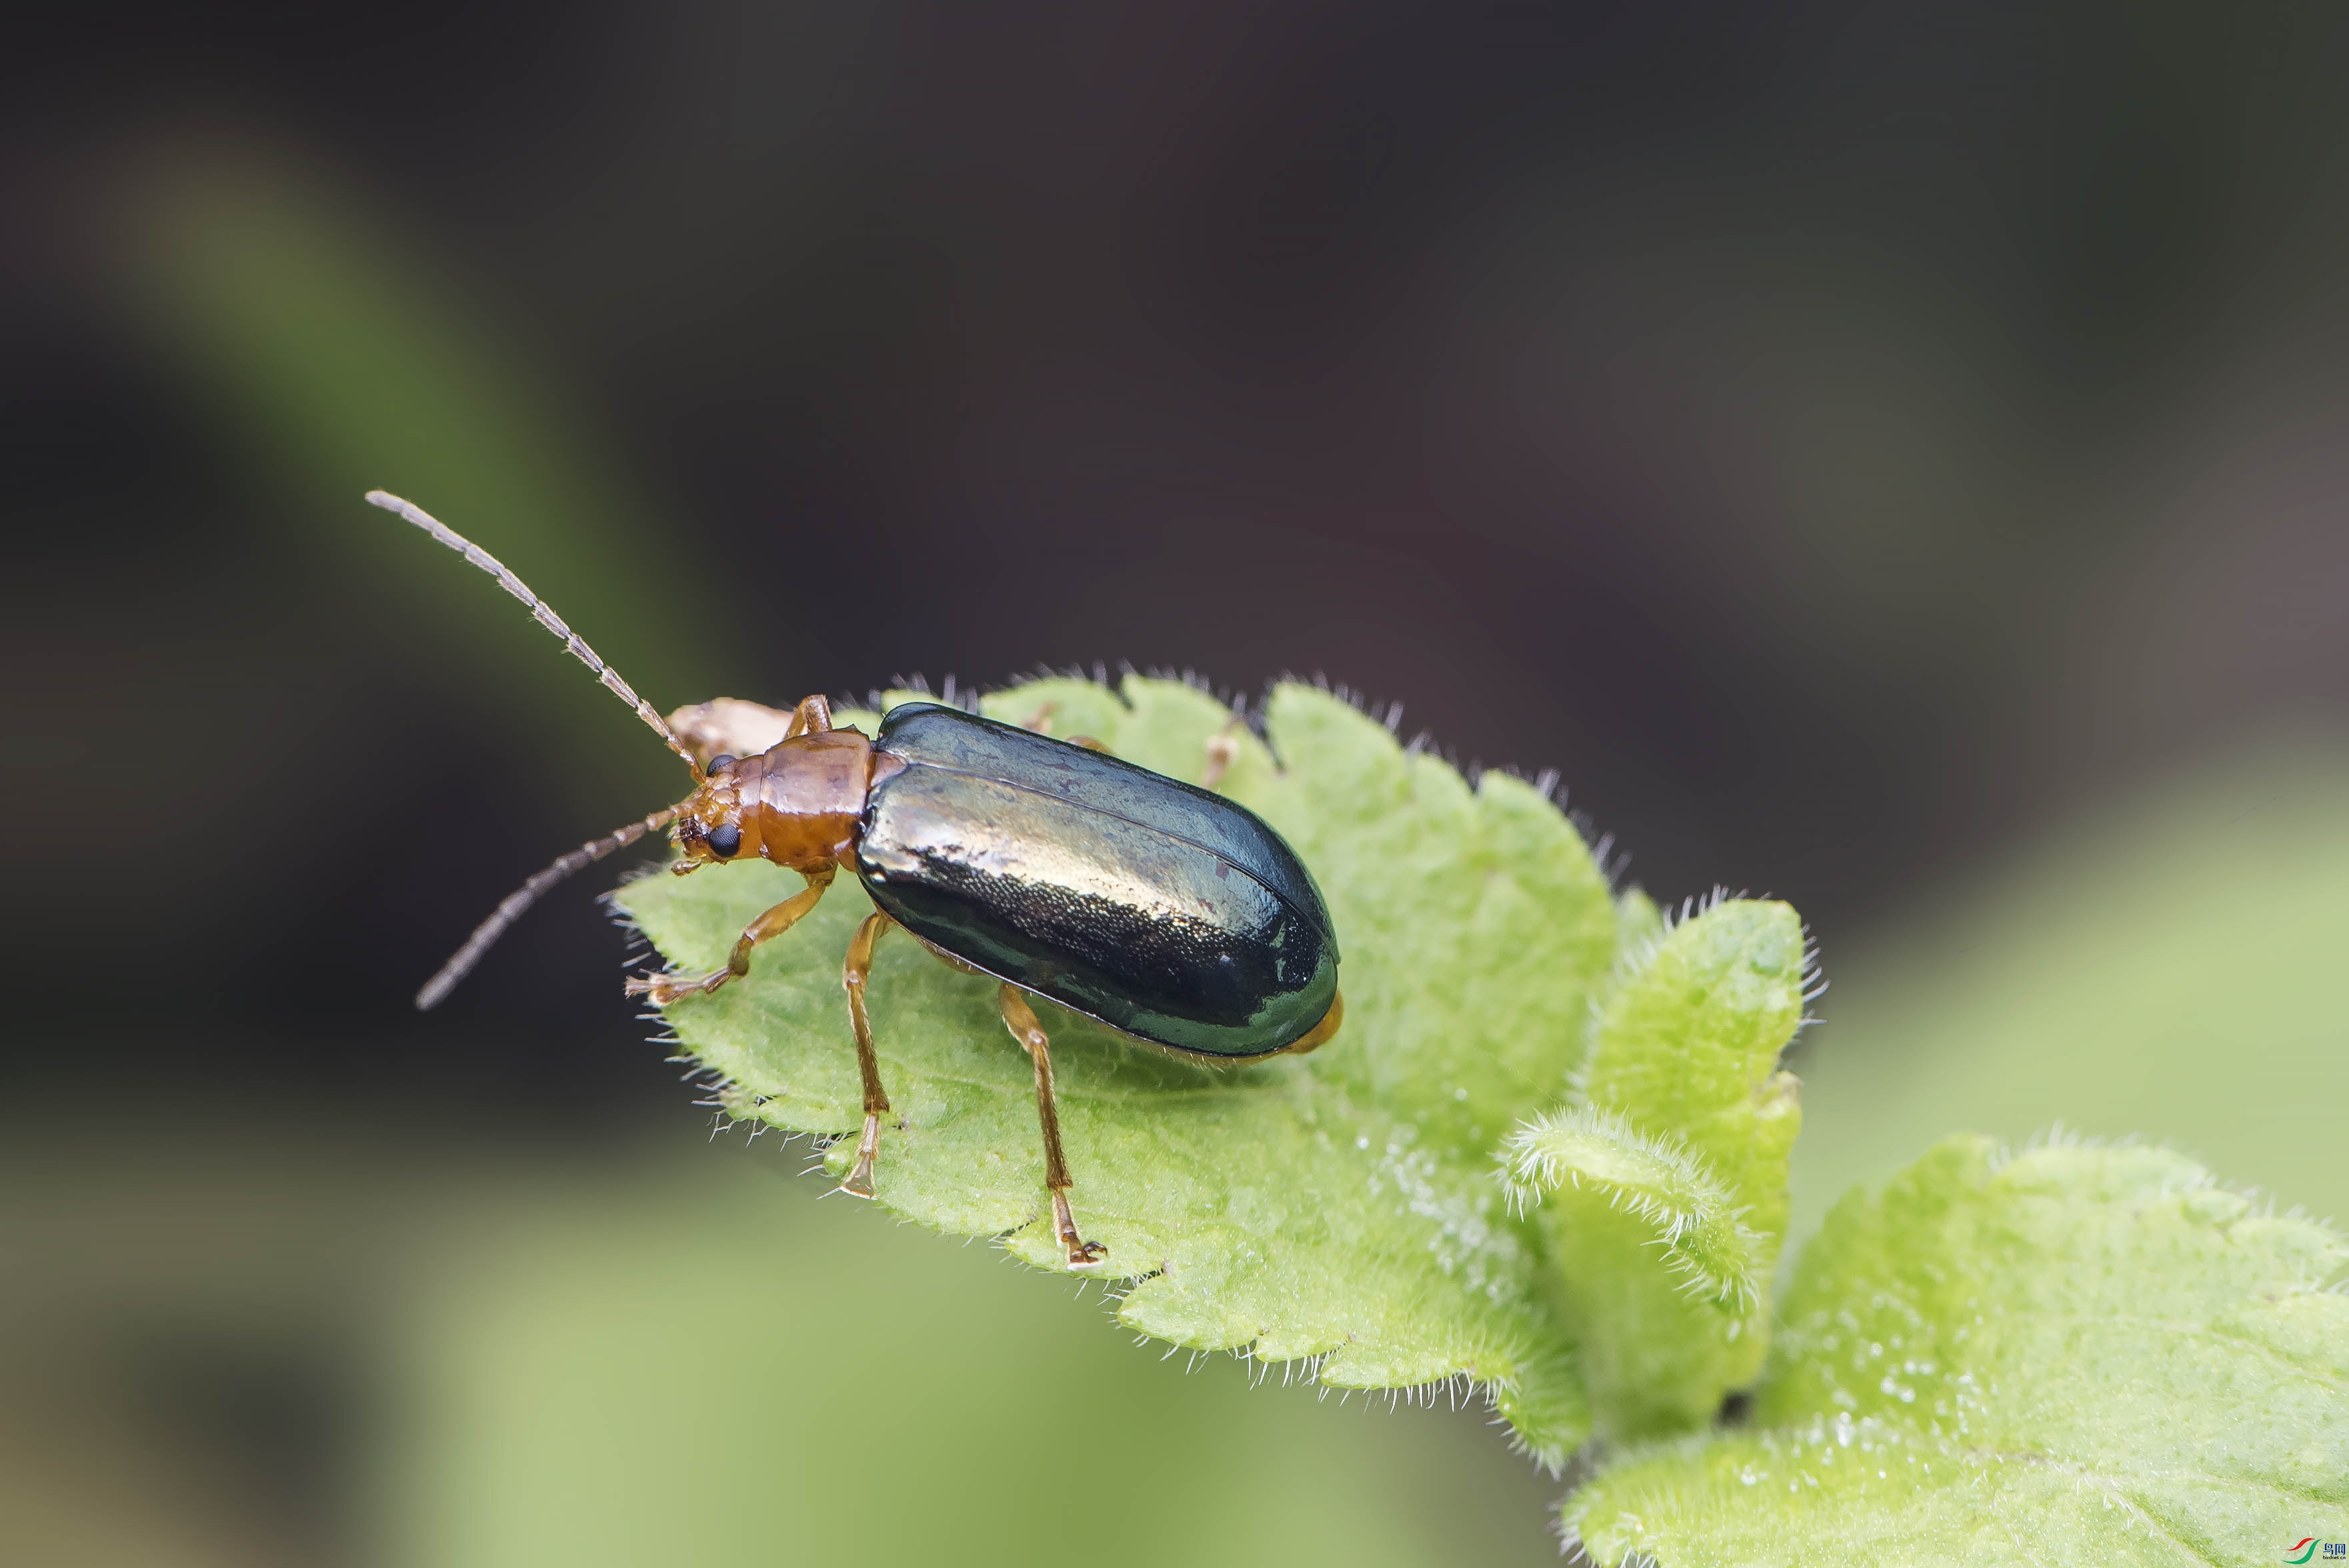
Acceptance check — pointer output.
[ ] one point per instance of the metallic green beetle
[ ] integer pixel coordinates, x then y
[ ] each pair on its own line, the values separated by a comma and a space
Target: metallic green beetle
1162, 909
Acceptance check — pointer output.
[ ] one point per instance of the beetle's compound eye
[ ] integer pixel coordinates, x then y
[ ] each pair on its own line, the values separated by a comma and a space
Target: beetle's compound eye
721, 762
724, 840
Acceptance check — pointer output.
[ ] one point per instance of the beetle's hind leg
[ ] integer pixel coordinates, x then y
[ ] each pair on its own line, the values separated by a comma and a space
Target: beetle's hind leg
667, 989
1021, 1019
1223, 750
854, 973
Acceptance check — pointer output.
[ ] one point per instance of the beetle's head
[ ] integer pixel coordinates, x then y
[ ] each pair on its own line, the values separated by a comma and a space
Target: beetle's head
708, 827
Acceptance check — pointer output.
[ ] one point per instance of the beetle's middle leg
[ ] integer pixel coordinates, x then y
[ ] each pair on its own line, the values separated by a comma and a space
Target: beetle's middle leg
667, 989
854, 973
1021, 1019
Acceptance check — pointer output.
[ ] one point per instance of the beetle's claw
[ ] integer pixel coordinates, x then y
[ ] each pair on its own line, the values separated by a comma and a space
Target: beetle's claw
1082, 1253
860, 1180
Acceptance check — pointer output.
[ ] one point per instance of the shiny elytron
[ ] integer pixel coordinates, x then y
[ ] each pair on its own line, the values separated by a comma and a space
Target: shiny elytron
1162, 909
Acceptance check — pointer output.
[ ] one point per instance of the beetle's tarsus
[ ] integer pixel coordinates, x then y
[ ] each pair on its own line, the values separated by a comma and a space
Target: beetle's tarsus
860, 1180
1082, 1253
664, 989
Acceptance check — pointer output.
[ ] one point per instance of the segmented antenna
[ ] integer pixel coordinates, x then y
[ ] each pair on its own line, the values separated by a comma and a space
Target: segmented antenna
541, 612
462, 963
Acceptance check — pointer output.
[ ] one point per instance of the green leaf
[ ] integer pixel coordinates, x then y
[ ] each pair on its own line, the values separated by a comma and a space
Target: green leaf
1339, 1209
1678, 1156
1691, 1217
2081, 1354
1690, 1044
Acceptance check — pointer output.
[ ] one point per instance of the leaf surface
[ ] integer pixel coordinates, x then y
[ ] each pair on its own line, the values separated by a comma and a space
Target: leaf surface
1691, 1218
2081, 1354
1341, 1207
1662, 1189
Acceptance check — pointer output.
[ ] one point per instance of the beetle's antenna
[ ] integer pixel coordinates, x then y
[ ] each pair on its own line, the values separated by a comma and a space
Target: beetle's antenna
510, 910
541, 612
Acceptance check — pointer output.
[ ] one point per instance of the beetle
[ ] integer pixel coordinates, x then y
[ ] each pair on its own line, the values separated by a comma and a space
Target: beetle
1174, 915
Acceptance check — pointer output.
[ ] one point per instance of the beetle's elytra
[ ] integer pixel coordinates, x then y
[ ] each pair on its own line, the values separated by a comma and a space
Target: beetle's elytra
1164, 911
1170, 913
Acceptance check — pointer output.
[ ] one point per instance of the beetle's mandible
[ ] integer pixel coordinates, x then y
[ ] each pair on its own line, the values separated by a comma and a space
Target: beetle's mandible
1175, 916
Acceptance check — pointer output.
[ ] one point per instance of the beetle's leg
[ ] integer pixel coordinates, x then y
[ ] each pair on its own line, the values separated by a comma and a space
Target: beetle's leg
1321, 1033
667, 989
855, 972
1021, 1019
1223, 750
1041, 721
813, 716
729, 725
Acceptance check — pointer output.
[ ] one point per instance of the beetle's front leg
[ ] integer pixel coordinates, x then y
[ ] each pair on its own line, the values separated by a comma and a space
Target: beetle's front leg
664, 989
1021, 1019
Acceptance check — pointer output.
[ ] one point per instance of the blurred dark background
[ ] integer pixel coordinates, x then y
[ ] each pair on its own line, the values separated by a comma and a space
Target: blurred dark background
1858, 444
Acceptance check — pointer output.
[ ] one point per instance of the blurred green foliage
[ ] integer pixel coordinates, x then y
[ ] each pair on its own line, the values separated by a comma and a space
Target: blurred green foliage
2167, 967
711, 1368
331, 356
